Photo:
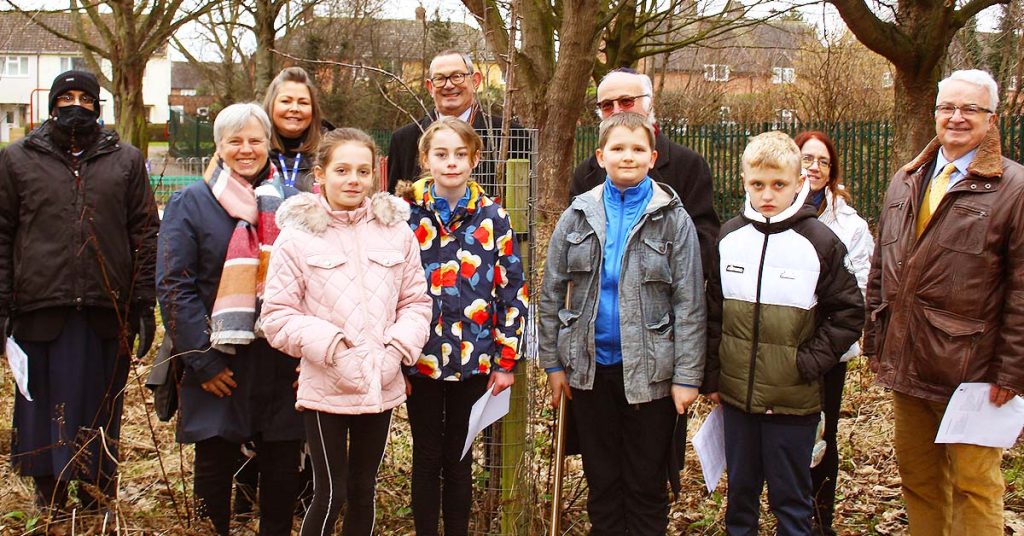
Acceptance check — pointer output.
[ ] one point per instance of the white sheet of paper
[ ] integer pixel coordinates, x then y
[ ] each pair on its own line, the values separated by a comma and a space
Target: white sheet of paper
709, 444
485, 411
18, 360
972, 419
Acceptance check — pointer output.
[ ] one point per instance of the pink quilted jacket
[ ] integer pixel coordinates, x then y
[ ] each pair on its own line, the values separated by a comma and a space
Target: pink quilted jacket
346, 293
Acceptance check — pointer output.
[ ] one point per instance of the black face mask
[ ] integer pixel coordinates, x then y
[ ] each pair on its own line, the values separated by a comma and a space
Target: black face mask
77, 120
75, 128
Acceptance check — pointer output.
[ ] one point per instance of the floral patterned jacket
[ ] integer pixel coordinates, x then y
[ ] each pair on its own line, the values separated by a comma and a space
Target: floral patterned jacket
475, 278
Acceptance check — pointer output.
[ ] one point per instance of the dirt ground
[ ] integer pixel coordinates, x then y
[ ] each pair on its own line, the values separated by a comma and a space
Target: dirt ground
155, 485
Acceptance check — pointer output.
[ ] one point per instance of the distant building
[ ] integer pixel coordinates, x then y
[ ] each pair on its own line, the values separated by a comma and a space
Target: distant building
31, 57
188, 93
402, 47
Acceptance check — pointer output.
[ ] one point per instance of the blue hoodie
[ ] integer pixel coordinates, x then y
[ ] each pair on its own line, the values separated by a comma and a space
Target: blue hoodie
622, 210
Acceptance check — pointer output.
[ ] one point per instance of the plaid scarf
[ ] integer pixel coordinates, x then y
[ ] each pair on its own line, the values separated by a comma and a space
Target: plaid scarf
236, 308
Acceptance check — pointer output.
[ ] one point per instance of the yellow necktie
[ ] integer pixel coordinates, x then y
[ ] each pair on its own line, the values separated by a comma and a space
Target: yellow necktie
933, 195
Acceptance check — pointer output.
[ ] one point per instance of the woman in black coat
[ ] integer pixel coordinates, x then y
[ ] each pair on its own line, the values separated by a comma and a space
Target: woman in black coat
293, 106
231, 394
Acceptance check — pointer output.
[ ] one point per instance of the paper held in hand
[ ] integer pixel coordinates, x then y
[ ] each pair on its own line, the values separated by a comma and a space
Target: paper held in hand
709, 444
485, 411
971, 418
18, 360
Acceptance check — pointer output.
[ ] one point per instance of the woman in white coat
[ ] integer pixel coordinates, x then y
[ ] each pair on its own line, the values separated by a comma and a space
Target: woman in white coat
821, 163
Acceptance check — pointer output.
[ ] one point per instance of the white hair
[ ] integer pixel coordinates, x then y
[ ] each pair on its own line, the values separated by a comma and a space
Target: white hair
645, 82
976, 77
235, 117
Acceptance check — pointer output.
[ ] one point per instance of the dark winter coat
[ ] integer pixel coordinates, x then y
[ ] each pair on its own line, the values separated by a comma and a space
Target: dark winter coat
782, 307
304, 171
404, 156
947, 307
684, 171
75, 232
194, 238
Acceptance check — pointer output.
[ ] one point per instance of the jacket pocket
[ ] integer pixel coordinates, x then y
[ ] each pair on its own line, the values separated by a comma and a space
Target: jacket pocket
880, 322
945, 346
965, 229
894, 215
580, 254
325, 261
348, 371
656, 282
567, 322
660, 349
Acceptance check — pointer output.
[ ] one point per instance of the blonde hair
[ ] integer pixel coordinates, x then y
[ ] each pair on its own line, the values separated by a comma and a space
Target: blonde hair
299, 76
462, 129
629, 120
773, 150
340, 136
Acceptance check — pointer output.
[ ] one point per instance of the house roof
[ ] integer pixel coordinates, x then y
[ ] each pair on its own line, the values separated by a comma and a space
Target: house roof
184, 75
19, 33
386, 39
751, 49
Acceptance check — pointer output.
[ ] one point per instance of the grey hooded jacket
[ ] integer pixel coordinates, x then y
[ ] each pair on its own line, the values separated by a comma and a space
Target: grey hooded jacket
661, 297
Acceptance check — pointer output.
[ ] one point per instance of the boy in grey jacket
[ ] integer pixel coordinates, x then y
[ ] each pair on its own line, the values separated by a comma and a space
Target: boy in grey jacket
622, 328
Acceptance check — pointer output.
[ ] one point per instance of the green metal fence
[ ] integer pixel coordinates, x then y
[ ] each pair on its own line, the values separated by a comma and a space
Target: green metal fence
189, 135
864, 153
865, 148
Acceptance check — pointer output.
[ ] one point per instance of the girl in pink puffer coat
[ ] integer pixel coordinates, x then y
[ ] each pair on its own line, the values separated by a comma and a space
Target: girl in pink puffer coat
346, 294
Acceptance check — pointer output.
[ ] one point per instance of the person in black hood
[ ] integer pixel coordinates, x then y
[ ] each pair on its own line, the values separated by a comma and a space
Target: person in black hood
78, 233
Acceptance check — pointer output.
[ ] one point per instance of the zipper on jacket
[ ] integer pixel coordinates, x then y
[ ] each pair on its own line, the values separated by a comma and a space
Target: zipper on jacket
757, 321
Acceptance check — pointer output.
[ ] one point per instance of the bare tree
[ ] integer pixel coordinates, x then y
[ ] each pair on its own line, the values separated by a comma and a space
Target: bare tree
914, 35
127, 33
227, 78
841, 81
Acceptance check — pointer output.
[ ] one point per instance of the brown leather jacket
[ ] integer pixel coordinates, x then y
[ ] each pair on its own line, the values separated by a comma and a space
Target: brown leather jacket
948, 307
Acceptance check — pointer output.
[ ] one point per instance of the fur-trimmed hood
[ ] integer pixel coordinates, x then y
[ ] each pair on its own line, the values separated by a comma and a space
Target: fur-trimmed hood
987, 163
311, 213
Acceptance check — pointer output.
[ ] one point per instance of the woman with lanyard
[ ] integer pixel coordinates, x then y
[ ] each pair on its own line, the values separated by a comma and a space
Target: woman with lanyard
294, 109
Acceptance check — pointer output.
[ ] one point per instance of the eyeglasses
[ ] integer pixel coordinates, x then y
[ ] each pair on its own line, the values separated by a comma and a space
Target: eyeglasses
67, 98
967, 110
808, 161
625, 103
440, 80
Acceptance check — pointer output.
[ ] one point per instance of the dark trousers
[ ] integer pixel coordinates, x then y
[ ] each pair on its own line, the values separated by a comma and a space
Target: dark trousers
442, 481
823, 476
625, 450
71, 428
346, 451
772, 448
215, 466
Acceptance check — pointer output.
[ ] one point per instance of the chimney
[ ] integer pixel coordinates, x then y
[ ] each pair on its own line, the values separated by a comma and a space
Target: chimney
421, 14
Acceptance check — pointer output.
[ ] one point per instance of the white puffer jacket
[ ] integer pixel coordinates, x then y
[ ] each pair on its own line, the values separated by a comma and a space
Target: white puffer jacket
856, 236
346, 293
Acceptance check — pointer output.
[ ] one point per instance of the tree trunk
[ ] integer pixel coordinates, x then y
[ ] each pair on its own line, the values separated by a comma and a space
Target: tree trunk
129, 107
563, 97
913, 116
265, 17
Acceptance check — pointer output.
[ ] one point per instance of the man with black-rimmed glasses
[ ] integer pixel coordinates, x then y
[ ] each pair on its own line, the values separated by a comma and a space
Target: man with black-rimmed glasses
452, 83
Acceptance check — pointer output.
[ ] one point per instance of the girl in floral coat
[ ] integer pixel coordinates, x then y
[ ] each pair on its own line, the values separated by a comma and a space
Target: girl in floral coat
475, 276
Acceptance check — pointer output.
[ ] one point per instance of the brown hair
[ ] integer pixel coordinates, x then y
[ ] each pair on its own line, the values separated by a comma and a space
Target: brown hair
341, 136
629, 120
300, 76
835, 179
461, 128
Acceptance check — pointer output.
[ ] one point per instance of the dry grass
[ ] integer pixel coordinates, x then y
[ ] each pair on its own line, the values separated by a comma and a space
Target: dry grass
156, 477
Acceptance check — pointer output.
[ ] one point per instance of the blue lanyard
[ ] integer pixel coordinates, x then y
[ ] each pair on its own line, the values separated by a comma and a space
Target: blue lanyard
289, 180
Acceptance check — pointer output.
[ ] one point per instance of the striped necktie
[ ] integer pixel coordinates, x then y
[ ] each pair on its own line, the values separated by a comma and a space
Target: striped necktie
933, 195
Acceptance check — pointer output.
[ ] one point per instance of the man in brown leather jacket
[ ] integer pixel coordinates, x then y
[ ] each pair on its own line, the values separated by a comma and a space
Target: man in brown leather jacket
945, 303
